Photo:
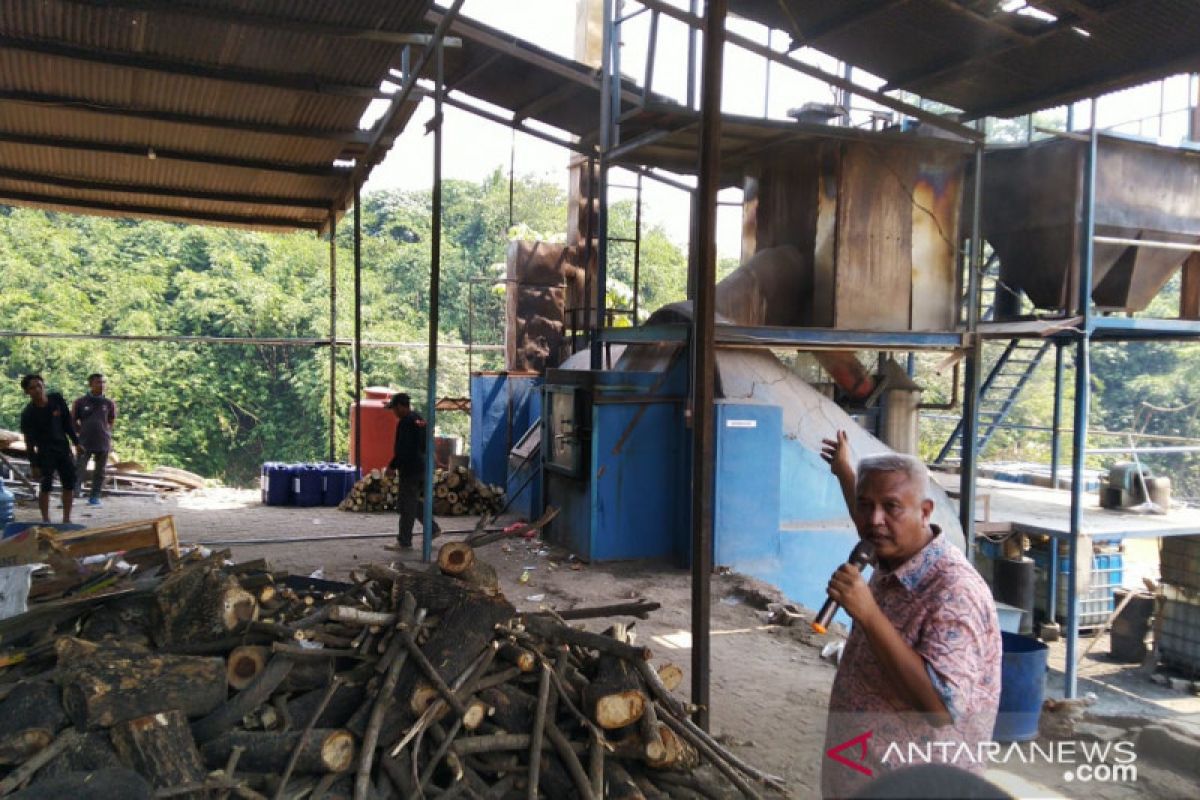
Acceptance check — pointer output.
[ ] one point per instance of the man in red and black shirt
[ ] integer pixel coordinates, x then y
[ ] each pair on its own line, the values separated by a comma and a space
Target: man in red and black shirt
47, 426
408, 465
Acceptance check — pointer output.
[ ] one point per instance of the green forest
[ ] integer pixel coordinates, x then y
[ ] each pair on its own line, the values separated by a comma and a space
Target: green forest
222, 409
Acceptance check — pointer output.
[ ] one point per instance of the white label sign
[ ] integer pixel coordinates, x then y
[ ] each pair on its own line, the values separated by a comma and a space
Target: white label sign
741, 423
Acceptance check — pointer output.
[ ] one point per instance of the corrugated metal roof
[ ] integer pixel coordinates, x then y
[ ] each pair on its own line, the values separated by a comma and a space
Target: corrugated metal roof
972, 55
228, 111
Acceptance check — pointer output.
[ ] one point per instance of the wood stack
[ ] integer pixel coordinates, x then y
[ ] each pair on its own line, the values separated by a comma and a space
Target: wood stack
125, 478
456, 492
218, 679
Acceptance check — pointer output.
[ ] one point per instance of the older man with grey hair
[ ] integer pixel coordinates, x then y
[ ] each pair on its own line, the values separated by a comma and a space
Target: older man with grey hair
922, 665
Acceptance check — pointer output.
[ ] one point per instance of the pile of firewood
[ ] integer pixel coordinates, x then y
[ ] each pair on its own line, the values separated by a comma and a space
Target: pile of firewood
214, 680
456, 492
124, 478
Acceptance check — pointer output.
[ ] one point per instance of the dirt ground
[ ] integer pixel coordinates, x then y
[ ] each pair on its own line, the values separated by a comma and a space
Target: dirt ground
770, 687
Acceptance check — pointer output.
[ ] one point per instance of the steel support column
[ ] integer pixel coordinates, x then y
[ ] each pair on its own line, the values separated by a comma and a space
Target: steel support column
435, 284
973, 368
1056, 429
606, 124
704, 265
1082, 400
332, 337
357, 325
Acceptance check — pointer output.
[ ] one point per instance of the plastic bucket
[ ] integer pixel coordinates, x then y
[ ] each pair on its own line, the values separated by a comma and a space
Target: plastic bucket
1022, 688
308, 485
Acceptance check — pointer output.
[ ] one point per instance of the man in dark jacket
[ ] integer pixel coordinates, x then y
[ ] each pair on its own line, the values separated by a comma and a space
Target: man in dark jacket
47, 427
93, 416
408, 465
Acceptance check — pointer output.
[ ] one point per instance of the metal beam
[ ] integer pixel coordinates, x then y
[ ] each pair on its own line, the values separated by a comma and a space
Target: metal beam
511, 46
296, 82
508, 123
435, 305
704, 267
332, 336
269, 22
134, 209
1083, 387
829, 78
200, 120
151, 151
376, 138
62, 181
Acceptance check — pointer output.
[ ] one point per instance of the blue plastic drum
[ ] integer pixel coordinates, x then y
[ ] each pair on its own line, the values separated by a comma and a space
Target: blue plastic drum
1022, 688
278, 484
308, 485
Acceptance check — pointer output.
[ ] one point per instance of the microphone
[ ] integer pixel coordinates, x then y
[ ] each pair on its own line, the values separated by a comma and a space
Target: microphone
860, 556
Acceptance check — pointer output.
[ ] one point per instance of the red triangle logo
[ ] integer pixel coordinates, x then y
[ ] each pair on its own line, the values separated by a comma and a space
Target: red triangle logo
859, 764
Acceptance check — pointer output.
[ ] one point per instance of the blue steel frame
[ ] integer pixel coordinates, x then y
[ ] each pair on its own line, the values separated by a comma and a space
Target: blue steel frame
738, 335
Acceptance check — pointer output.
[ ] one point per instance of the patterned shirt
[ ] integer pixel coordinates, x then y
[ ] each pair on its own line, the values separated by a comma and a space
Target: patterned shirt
944, 611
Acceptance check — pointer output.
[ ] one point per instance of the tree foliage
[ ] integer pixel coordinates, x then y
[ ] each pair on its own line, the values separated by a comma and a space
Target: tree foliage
223, 409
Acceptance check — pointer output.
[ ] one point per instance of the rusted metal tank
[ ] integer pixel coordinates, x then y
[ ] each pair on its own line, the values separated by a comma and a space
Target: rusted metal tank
1033, 206
875, 216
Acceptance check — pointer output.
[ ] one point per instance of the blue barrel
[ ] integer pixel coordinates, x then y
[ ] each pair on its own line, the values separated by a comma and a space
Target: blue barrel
1022, 688
338, 481
7, 504
308, 485
279, 484
264, 481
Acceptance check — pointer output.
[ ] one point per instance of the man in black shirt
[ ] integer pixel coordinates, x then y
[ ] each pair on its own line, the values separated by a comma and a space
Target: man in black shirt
408, 465
46, 425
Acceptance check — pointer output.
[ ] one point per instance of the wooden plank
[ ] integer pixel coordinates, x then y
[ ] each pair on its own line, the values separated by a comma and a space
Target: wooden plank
159, 533
874, 239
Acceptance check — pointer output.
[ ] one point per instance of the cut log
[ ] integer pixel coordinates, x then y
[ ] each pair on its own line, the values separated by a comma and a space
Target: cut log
434, 593
244, 664
200, 603
82, 752
523, 659
231, 712
461, 635
357, 616
338, 711
512, 708
556, 632
455, 558
482, 576
615, 697
103, 784
324, 750
159, 747
307, 675
671, 676
30, 717
108, 687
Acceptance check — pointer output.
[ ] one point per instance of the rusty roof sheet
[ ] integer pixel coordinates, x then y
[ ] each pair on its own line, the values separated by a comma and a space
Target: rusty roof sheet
221, 111
974, 56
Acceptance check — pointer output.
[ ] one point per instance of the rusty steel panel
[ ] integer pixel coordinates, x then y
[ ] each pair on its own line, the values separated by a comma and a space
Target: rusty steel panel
873, 287
541, 276
1033, 205
936, 201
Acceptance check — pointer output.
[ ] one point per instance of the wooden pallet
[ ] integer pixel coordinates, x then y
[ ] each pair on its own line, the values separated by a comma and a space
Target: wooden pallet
156, 533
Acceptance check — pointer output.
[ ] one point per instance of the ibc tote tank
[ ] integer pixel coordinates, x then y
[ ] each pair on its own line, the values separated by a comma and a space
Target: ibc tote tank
378, 429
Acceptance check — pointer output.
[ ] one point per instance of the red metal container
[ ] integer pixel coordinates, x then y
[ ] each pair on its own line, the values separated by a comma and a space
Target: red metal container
378, 429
